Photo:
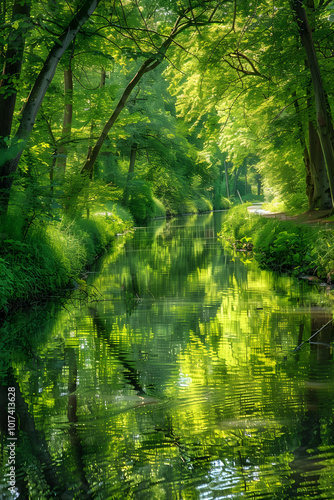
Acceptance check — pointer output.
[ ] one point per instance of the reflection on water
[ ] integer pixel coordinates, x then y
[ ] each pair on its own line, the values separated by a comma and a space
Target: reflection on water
177, 379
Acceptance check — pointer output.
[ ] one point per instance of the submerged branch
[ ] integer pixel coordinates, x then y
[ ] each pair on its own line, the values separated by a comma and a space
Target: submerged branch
314, 334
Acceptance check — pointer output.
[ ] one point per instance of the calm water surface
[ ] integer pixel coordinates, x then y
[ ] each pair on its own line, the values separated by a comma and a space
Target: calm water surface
176, 378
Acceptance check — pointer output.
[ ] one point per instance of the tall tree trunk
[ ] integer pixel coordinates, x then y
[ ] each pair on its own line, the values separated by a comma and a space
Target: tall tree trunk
13, 154
237, 172
324, 119
88, 180
317, 184
309, 174
92, 125
102, 78
306, 155
321, 195
258, 183
226, 179
12, 69
131, 170
148, 65
67, 120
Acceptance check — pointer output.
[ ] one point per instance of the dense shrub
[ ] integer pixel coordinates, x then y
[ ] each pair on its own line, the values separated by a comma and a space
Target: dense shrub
118, 212
51, 256
159, 208
203, 204
140, 203
283, 246
254, 198
225, 203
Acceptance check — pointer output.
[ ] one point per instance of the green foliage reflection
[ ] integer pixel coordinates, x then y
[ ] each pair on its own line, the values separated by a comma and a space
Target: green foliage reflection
181, 380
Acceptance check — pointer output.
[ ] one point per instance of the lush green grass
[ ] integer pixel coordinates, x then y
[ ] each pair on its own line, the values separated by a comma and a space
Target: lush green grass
253, 198
51, 256
283, 246
159, 209
195, 204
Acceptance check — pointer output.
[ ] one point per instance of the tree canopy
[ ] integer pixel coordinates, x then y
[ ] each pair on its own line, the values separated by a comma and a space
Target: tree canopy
164, 106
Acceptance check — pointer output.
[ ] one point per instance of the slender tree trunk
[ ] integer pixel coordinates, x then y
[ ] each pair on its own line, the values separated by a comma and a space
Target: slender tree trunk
131, 170
132, 163
306, 156
92, 125
52, 172
12, 69
147, 66
309, 174
237, 172
226, 180
324, 119
317, 184
322, 195
35, 99
67, 120
258, 183
103, 78
88, 180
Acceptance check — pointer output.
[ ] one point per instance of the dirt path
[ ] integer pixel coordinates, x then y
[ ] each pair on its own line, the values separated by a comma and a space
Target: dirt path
312, 217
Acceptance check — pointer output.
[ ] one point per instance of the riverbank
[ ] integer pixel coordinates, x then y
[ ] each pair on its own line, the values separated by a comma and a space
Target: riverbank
52, 256
301, 246
49, 257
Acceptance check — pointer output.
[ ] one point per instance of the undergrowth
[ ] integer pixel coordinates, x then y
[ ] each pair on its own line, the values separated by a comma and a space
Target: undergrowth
283, 246
51, 256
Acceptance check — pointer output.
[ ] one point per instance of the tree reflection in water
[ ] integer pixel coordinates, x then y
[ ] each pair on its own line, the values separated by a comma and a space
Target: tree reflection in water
180, 381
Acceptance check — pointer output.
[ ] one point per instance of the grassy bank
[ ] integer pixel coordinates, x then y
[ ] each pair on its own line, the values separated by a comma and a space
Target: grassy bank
52, 255
282, 246
145, 203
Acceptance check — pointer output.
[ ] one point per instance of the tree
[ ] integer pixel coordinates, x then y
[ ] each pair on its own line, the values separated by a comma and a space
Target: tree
188, 17
12, 66
262, 79
68, 115
12, 154
148, 65
323, 112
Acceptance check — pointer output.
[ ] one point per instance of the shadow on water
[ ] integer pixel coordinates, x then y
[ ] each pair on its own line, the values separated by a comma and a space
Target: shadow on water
180, 381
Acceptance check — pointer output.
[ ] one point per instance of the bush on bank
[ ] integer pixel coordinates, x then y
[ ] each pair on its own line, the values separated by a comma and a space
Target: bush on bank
51, 255
282, 246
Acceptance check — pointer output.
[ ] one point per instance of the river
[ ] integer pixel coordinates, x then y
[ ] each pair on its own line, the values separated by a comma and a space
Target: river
173, 374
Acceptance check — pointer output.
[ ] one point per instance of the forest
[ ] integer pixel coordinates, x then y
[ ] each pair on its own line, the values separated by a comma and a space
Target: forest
115, 112
141, 357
